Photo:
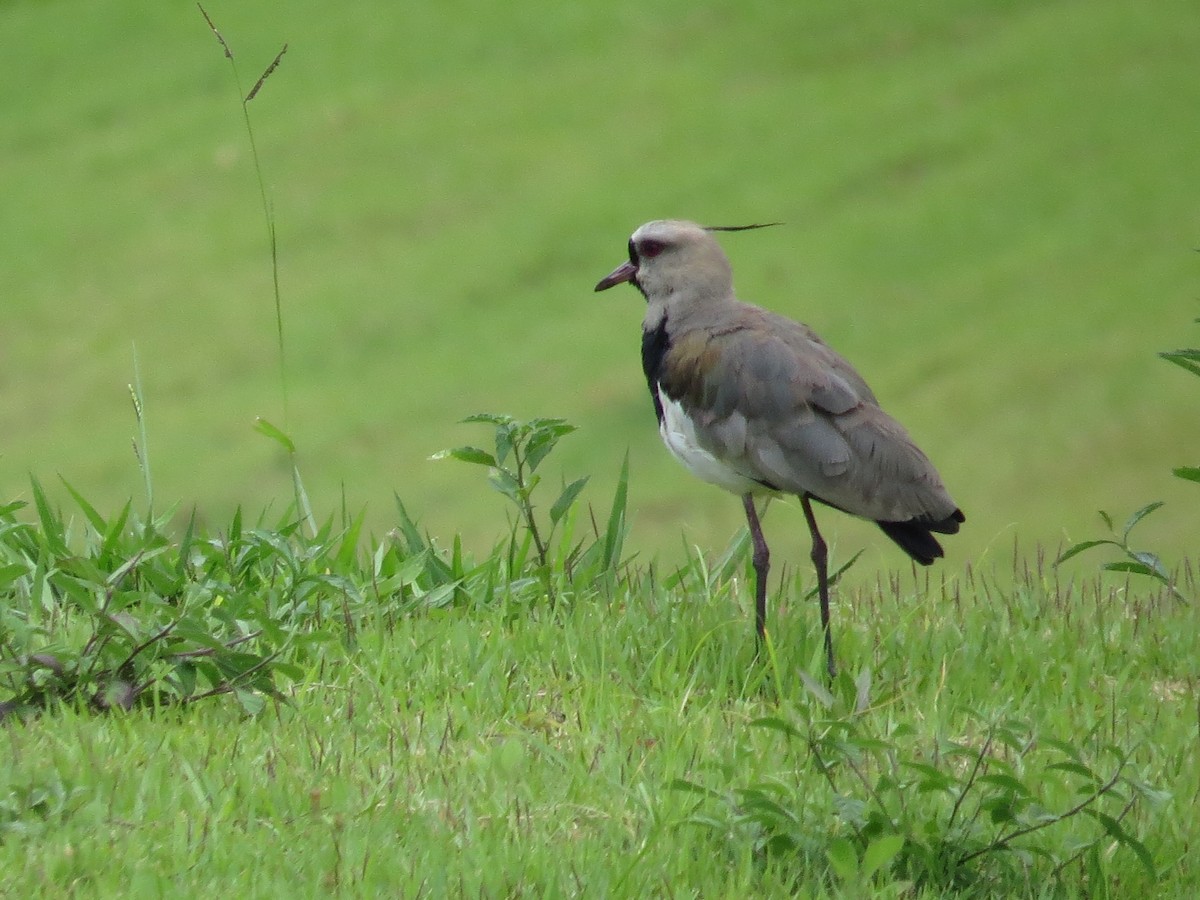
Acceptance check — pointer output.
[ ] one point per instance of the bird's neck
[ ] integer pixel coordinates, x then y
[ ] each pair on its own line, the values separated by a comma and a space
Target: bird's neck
681, 311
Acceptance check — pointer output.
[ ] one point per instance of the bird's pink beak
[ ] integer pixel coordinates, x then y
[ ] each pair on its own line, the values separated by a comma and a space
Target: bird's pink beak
622, 273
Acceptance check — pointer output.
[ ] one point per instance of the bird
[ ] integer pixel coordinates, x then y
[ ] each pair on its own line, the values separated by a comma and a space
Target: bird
758, 404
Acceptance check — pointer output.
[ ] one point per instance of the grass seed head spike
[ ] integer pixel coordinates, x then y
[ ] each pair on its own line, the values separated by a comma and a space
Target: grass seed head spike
266, 74
759, 405
208, 19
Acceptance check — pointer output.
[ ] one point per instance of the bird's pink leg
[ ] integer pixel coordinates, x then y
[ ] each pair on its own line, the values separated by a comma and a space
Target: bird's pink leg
761, 561
820, 558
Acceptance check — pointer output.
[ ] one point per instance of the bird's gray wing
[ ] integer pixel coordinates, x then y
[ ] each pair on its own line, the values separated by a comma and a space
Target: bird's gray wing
774, 402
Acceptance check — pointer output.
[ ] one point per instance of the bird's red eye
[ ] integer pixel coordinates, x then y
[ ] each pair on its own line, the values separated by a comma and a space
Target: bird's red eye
650, 249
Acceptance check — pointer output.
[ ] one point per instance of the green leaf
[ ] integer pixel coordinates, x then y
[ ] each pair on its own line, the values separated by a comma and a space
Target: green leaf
614, 532
566, 499
999, 809
1139, 515
1186, 359
262, 426
763, 808
934, 779
185, 678
488, 419
503, 481
733, 557
94, 518
1067, 749
1135, 568
1006, 782
1075, 768
507, 434
1150, 560
11, 572
52, 526
552, 422
440, 596
880, 853
112, 538
251, 701
862, 690
235, 526
348, 547
288, 670
8, 509
1080, 547
410, 569
776, 724
690, 787
1117, 831
843, 860
1154, 795
542, 441
468, 455
1188, 473
818, 690
835, 576
413, 541
456, 558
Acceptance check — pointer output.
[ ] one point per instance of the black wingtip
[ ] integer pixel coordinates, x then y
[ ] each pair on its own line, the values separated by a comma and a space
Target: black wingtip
915, 537
915, 540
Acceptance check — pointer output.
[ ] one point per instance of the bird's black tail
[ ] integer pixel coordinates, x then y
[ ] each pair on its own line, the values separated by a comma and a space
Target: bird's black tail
915, 536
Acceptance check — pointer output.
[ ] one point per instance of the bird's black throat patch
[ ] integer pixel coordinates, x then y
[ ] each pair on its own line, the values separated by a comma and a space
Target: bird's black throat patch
655, 343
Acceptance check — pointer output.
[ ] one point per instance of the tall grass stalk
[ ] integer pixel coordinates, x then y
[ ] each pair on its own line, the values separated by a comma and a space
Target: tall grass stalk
280, 435
141, 448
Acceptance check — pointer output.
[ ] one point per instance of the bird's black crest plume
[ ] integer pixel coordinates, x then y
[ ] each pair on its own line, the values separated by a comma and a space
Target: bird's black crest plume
740, 227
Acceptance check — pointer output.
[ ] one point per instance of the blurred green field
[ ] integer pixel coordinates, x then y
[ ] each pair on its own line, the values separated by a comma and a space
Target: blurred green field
992, 208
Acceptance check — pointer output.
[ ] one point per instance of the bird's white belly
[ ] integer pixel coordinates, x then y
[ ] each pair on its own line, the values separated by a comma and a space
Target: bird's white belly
679, 434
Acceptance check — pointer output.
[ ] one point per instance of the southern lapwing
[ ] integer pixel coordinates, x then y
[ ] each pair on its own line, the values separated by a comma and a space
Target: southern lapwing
758, 404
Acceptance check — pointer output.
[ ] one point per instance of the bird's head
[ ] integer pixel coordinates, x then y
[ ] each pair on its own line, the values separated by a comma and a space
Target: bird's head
671, 258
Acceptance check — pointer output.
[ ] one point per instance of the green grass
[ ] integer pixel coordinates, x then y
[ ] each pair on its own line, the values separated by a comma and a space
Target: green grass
478, 742
989, 210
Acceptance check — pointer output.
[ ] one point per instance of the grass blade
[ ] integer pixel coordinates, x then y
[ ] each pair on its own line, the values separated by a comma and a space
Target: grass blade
262, 426
614, 533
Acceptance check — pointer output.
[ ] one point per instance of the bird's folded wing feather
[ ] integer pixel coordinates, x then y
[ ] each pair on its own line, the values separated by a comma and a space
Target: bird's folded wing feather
774, 402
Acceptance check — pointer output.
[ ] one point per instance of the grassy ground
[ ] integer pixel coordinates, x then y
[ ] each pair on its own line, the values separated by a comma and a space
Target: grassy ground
271, 713
486, 745
987, 206
474, 741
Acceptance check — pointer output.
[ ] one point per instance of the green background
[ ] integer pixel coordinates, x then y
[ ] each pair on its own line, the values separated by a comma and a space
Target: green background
991, 209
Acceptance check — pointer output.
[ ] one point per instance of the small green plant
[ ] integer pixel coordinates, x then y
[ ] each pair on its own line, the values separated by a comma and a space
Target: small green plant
1188, 360
519, 449
1136, 562
1142, 562
116, 613
953, 813
125, 616
34, 809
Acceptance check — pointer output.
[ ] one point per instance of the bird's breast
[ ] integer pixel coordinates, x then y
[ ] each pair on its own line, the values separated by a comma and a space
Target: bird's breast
678, 432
